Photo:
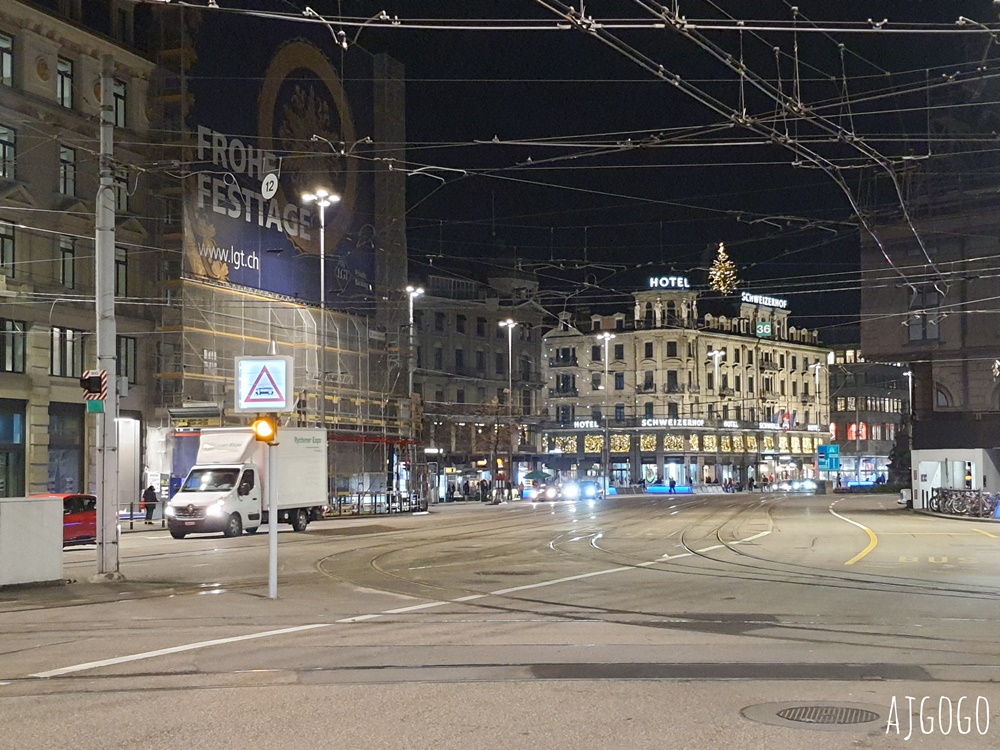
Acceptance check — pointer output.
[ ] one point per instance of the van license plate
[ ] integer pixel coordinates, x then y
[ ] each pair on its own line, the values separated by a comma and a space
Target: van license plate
189, 523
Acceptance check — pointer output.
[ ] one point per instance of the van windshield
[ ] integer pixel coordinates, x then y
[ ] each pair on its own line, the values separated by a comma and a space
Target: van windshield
210, 480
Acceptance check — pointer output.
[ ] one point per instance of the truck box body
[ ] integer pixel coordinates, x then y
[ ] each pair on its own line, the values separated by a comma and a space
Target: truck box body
227, 489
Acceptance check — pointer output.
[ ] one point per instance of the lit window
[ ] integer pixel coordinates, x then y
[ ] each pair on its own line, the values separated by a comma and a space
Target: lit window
6, 60
118, 92
7, 247
12, 345
67, 353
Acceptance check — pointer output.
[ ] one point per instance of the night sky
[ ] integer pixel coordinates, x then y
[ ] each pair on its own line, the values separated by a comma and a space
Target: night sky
605, 172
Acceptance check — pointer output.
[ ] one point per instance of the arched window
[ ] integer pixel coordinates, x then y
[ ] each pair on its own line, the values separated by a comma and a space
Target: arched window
852, 431
833, 430
942, 397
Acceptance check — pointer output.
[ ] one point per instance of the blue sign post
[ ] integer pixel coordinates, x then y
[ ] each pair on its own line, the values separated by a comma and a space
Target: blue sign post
828, 458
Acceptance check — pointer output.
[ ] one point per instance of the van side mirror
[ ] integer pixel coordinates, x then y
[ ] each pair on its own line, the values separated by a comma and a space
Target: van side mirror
243, 489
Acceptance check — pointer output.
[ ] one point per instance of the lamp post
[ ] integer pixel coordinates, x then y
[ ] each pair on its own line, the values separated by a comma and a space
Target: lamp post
606, 458
412, 293
716, 356
509, 324
322, 198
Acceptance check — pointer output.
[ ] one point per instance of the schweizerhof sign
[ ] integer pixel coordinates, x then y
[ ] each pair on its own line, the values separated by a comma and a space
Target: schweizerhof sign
760, 299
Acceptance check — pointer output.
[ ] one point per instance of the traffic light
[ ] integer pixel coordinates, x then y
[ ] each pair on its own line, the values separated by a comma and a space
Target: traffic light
265, 428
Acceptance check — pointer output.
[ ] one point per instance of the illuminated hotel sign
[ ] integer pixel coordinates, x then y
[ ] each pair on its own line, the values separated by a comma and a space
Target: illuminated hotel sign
730, 424
668, 282
760, 299
585, 424
654, 422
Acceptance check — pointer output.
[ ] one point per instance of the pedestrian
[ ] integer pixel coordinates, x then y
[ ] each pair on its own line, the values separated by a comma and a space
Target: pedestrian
465, 490
673, 486
750, 483
148, 503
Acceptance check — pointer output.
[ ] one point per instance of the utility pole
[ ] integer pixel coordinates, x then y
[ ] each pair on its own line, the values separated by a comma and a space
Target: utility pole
106, 330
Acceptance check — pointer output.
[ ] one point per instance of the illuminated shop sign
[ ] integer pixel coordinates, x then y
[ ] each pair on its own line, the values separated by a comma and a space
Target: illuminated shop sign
585, 424
731, 424
768, 426
760, 299
655, 422
668, 282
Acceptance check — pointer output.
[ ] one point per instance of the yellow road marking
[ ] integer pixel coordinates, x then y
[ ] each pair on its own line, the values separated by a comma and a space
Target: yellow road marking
991, 536
873, 540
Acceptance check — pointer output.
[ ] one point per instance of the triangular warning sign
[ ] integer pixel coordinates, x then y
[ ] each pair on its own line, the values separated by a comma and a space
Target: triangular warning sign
268, 395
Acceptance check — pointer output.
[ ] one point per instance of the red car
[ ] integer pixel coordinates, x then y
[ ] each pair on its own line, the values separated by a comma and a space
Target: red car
79, 517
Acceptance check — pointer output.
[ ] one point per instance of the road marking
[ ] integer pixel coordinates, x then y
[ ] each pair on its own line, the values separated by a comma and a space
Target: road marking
174, 650
361, 618
991, 536
872, 539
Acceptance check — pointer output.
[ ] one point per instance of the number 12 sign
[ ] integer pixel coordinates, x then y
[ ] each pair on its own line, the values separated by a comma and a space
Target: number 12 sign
265, 384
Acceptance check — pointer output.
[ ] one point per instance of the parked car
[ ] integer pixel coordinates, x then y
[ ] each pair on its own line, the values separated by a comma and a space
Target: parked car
79, 517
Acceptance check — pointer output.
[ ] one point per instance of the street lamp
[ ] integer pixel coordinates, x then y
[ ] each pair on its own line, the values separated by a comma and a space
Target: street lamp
412, 293
606, 458
322, 198
509, 324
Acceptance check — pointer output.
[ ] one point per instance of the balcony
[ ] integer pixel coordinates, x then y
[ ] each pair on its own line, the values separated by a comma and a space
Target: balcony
808, 398
563, 392
768, 365
673, 388
646, 388
562, 362
727, 392
692, 388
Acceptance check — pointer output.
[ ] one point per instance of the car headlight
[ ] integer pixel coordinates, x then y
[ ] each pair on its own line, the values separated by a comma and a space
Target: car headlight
170, 511
571, 491
590, 491
215, 510
550, 492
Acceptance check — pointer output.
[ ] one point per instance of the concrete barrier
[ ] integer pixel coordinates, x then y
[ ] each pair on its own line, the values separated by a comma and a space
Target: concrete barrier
31, 535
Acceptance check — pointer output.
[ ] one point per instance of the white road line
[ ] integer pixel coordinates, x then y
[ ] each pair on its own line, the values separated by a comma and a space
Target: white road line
175, 650
362, 618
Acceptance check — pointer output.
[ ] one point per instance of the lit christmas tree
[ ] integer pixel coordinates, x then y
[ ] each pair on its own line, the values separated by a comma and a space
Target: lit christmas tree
722, 276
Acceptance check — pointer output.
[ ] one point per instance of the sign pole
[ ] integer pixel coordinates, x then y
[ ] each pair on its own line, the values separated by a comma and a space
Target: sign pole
272, 528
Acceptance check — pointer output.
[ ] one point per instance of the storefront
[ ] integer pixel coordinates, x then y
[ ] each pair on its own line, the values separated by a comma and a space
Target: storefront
12, 452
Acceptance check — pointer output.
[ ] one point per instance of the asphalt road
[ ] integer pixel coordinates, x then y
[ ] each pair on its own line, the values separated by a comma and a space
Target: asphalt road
719, 621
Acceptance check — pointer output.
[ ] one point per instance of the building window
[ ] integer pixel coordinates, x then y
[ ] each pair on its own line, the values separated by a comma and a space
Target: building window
620, 412
749, 356
749, 383
6, 60
619, 352
595, 414
118, 92
459, 359
923, 320
67, 170
595, 353
128, 358
67, 353
647, 380
619, 381
481, 327
460, 396
795, 389
941, 398
7, 247
648, 409
710, 380
67, 262
673, 411
480, 360
438, 360
672, 349
7, 152
647, 350
64, 82
460, 323
595, 381
736, 354
439, 321
499, 364
121, 272
121, 192
12, 345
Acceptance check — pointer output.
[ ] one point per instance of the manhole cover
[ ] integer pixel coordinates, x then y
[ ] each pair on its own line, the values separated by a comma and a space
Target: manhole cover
820, 716
828, 715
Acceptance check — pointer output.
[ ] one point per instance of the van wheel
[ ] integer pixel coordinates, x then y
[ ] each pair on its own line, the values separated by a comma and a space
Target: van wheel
178, 534
234, 527
252, 530
300, 519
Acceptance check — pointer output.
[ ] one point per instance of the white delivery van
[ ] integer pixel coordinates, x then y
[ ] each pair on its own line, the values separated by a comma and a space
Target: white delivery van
227, 488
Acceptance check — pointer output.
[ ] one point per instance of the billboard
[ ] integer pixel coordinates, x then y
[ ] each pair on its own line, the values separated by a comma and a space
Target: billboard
270, 124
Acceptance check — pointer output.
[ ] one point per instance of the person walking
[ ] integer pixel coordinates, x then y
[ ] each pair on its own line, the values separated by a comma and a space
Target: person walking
673, 485
149, 503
